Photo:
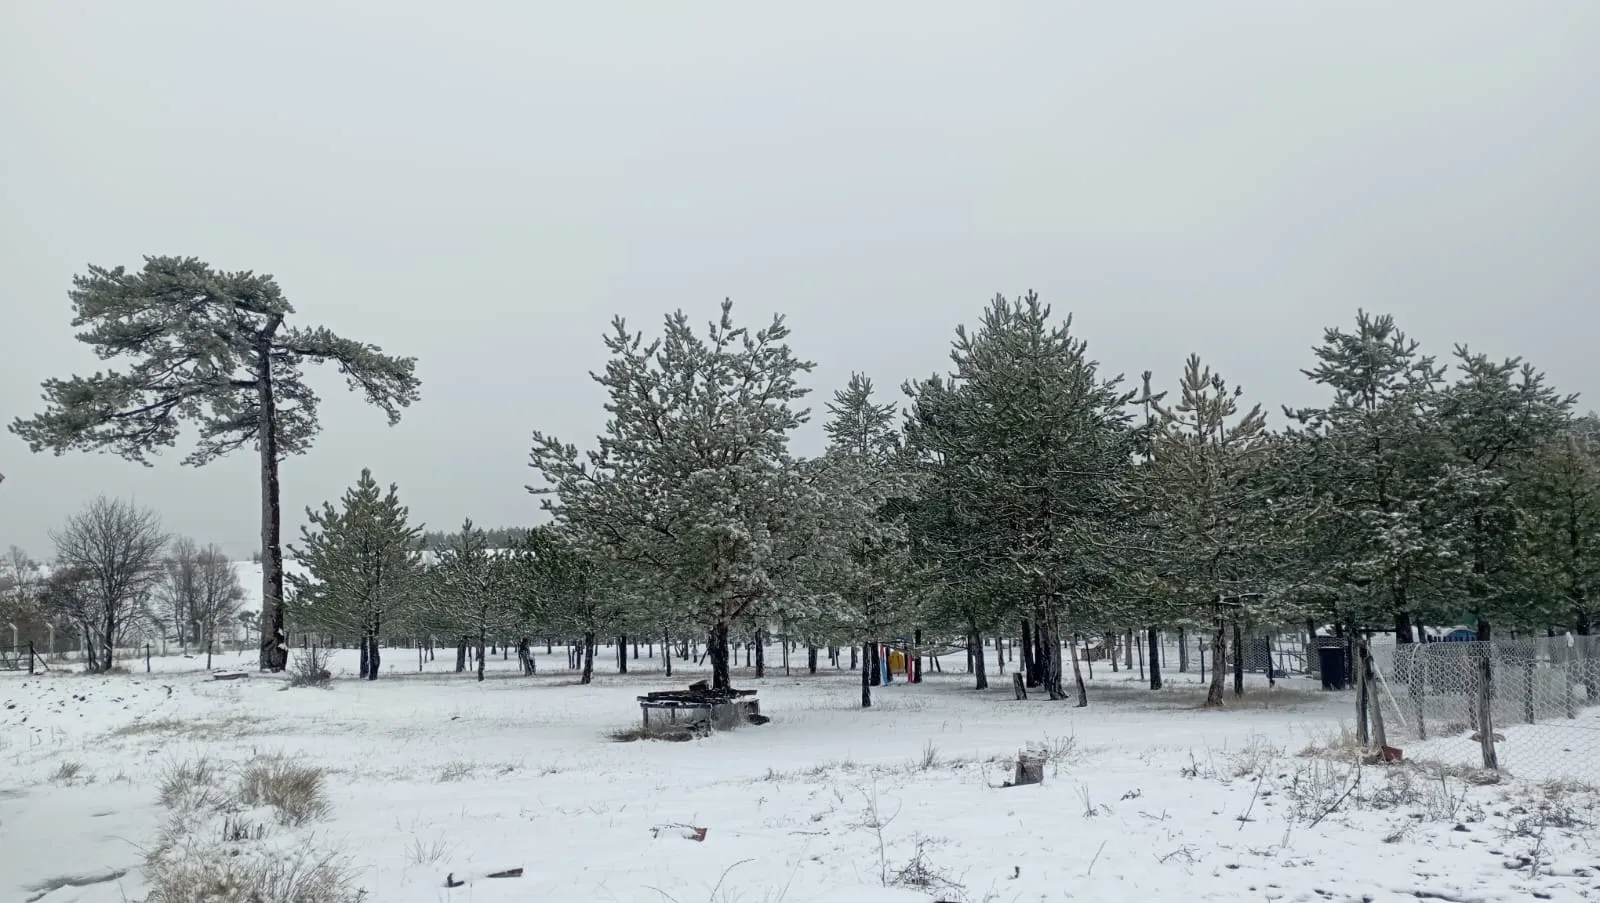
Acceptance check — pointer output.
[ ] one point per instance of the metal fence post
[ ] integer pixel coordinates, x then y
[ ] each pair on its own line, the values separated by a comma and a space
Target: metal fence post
30, 656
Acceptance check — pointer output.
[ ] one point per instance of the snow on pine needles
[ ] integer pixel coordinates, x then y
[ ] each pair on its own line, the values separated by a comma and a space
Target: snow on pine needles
125, 786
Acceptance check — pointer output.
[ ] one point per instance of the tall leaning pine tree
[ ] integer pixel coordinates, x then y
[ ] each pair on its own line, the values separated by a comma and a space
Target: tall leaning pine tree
215, 349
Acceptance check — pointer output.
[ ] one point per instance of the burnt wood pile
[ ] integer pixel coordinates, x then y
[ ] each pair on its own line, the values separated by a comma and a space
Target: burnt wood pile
720, 709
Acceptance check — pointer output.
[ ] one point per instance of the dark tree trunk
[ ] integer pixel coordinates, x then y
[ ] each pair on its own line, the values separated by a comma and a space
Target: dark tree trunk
874, 665
717, 650
461, 655
761, 654
482, 639
666, 649
1154, 639
1077, 676
975, 649
916, 672
374, 657
622, 655
1047, 641
1040, 652
366, 666
1219, 657
1030, 662
811, 659
588, 658
869, 675
1238, 659
1183, 651
1402, 627
274, 645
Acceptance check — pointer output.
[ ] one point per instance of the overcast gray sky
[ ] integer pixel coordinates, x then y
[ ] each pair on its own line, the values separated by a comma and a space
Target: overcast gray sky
483, 184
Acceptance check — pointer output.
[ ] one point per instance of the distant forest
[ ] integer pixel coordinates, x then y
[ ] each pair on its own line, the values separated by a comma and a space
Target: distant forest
499, 537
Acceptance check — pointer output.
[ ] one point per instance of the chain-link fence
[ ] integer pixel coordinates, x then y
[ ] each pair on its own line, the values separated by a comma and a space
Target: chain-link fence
1529, 706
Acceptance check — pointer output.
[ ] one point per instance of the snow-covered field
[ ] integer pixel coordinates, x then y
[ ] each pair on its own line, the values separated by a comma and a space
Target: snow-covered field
1147, 796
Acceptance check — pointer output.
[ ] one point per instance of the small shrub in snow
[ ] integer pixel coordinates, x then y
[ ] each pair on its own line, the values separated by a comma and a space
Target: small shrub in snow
1258, 757
427, 852
309, 668
293, 789
456, 771
920, 874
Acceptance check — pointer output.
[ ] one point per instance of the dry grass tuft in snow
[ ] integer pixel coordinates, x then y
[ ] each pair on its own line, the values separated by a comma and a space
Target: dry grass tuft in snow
294, 790
191, 785
69, 773
194, 872
213, 851
192, 729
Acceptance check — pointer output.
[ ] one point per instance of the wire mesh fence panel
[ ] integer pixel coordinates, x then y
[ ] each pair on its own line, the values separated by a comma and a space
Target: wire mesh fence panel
1528, 706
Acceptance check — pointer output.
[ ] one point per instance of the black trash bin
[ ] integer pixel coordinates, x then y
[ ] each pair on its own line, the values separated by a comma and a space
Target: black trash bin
1334, 664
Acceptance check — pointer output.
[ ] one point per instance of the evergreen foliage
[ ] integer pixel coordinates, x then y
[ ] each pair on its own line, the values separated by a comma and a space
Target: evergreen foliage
1024, 446
690, 478
472, 593
362, 568
214, 349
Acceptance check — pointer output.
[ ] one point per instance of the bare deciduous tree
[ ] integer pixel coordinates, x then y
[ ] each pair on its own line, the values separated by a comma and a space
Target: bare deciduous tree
112, 549
180, 580
217, 597
19, 580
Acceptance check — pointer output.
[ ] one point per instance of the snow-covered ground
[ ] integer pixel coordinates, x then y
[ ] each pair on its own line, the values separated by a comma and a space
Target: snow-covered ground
433, 773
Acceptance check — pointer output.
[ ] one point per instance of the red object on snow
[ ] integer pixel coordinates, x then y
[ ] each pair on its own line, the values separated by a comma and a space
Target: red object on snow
1390, 754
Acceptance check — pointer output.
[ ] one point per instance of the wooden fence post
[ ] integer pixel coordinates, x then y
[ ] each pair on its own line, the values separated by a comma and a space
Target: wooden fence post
1486, 711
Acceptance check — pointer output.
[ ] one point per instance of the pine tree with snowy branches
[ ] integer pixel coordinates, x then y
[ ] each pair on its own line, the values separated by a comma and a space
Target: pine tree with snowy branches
691, 479
860, 552
1562, 498
1497, 416
473, 592
1215, 522
362, 568
1376, 456
566, 587
1023, 446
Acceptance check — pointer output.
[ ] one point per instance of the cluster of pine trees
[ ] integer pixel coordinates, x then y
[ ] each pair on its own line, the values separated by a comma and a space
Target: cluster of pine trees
1025, 493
